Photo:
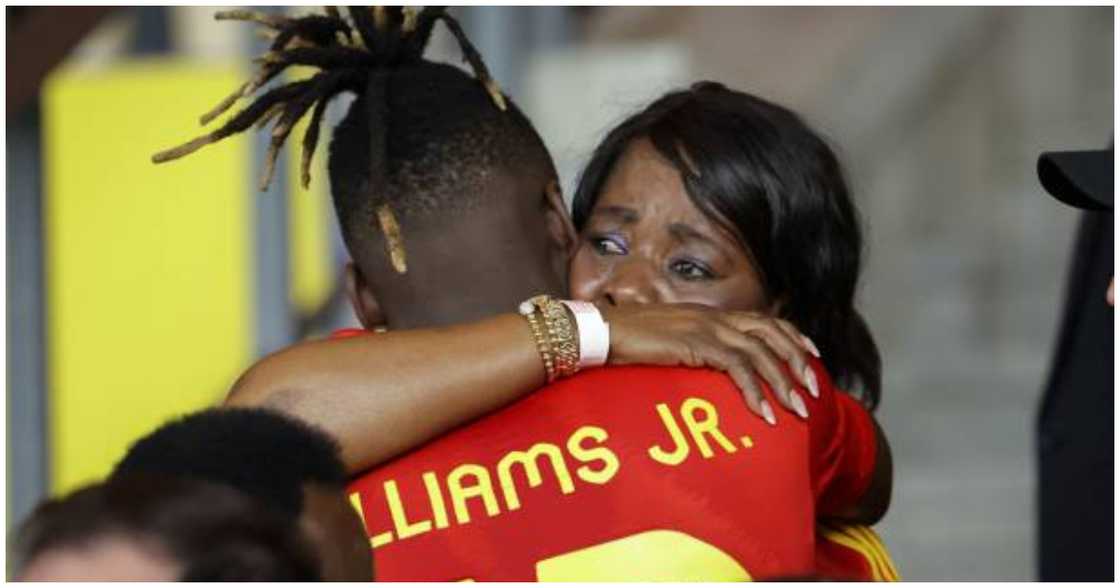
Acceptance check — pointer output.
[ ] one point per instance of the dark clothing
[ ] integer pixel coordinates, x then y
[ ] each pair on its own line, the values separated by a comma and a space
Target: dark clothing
1075, 438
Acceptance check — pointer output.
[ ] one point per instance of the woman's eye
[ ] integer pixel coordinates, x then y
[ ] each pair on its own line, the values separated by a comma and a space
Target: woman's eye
690, 270
607, 246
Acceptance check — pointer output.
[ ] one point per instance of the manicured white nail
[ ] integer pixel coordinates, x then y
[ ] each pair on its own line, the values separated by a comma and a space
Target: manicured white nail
812, 346
768, 413
811, 381
798, 405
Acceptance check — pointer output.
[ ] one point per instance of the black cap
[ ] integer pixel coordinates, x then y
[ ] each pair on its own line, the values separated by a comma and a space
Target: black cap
1078, 178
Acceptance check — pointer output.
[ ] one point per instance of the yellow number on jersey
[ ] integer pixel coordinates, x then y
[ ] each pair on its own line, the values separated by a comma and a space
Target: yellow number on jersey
652, 556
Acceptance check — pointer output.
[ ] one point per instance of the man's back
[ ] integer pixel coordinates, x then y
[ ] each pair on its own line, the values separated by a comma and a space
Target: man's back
635, 473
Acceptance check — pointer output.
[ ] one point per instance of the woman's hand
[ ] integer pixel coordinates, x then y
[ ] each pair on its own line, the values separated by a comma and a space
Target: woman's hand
741, 344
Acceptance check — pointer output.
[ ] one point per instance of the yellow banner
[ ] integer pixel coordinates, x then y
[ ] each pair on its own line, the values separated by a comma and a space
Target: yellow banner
148, 268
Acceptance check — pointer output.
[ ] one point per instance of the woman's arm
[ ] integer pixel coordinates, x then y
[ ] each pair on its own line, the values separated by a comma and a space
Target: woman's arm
381, 395
877, 499
384, 394
850, 459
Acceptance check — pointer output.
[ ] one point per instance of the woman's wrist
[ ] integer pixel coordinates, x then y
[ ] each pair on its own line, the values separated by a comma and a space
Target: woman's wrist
593, 333
570, 335
554, 333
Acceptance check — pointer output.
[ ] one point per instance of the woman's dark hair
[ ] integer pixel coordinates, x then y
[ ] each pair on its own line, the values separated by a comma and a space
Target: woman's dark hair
213, 532
759, 170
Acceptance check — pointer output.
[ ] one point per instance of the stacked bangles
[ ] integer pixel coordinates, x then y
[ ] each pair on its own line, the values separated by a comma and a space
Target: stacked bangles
570, 335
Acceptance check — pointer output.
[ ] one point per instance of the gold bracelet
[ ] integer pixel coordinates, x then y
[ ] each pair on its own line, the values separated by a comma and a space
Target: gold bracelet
562, 336
559, 331
541, 339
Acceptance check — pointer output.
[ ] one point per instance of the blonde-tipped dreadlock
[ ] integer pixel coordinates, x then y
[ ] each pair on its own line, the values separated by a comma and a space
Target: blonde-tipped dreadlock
346, 52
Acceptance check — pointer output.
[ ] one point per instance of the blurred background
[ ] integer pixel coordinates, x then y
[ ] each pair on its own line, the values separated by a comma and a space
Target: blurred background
136, 292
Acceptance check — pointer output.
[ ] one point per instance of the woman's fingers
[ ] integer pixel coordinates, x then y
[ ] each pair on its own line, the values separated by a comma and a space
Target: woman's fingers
758, 404
793, 355
766, 363
746, 346
803, 369
749, 321
798, 336
785, 340
729, 362
755, 355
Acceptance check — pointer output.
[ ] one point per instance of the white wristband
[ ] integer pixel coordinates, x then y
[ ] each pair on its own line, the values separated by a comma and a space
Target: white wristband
594, 333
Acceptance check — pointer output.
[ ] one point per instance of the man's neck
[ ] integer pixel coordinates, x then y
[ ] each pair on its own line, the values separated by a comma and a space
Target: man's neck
419, 316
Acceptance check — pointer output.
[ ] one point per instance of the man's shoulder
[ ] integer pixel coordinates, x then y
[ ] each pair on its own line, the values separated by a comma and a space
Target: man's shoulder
644, 375
650, 378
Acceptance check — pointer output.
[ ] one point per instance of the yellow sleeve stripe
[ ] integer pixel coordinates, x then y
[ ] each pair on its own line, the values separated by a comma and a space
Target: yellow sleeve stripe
864, 541
877, 544
857, 546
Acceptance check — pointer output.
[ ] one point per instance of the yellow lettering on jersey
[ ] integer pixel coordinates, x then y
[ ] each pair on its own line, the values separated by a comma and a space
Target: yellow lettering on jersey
680, 449
404, 528
600, 453
708, 425
439, 509
482, 488
381, 539
356, 502
528, 461
377, 540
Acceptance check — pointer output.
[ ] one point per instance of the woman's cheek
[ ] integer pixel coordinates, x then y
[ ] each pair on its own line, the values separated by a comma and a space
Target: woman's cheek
725, 295
585, 275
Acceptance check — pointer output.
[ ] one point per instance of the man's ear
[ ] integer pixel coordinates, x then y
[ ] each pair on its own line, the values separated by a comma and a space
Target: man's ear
558, 221
362, 299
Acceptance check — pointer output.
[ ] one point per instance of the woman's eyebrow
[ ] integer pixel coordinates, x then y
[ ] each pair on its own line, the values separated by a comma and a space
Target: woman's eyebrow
621, 213
684, 232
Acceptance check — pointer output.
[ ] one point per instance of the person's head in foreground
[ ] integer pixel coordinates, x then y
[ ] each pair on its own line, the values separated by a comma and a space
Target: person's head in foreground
291, 468
429, 167
157, 528
717, 197
1082, 179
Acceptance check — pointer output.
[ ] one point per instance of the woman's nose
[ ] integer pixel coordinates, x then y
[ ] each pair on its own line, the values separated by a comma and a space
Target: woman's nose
630, 283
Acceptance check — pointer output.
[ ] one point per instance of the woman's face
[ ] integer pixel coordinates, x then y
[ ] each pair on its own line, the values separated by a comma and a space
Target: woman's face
646, 242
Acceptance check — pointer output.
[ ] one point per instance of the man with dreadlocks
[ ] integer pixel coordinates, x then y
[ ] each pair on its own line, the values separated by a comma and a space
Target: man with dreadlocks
426, 161
420, 149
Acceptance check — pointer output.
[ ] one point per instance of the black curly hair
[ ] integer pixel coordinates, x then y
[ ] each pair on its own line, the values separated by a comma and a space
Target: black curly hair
260, 452
211, 531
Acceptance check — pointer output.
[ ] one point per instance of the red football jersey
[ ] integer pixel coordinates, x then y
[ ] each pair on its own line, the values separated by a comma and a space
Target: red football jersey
636, 473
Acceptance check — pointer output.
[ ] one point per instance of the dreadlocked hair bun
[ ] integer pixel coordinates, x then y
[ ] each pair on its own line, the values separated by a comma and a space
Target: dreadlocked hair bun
352, 51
